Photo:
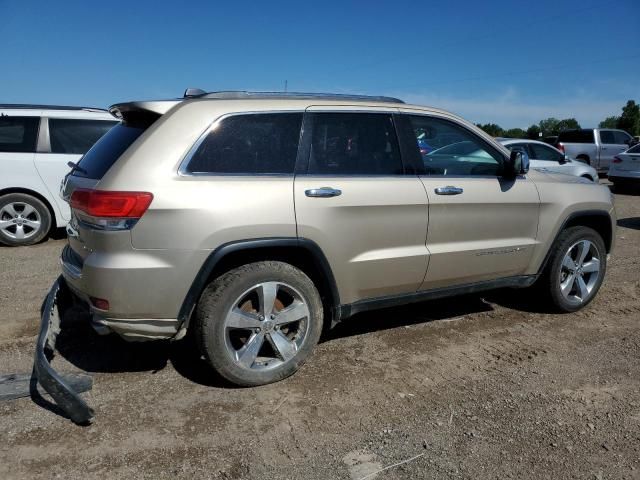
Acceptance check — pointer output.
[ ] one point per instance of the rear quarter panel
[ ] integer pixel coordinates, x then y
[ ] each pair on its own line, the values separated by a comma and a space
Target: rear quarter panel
200, 212
590, 150
18, 171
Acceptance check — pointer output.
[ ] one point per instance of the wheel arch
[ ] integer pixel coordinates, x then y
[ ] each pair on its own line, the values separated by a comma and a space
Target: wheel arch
299, 252
585, 157
598, 220
39, 196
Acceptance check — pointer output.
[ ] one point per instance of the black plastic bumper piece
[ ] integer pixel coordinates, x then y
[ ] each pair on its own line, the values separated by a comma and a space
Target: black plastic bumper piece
65, 397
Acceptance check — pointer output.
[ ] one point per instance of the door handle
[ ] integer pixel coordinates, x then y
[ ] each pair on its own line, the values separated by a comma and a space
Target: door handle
323, 192
448, 190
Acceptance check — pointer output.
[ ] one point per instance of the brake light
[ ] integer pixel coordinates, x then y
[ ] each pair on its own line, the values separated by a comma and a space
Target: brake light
617, 160
105, 204
99, 303
560, 147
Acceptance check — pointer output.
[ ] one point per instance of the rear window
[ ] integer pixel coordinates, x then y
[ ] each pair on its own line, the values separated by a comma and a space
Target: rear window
107, 150
635, 149
18, 134
576, 136
75, 136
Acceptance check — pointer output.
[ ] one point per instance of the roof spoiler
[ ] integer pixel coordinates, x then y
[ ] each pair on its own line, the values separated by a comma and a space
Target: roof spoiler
153, 109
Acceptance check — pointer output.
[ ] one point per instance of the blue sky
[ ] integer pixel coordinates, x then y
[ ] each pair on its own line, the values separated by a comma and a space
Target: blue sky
508, 62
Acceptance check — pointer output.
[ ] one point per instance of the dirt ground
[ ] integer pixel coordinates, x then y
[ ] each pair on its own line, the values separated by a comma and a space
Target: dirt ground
474, 387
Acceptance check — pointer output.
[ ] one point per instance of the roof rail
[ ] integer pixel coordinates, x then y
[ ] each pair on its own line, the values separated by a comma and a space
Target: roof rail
239, 95
26, 106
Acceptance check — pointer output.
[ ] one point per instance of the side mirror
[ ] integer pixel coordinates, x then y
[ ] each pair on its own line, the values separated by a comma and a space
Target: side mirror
518, 163
565, 158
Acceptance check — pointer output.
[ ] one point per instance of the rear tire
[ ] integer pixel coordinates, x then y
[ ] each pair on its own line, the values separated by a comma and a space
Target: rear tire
575, 270
258, 323
24, 220
583, 159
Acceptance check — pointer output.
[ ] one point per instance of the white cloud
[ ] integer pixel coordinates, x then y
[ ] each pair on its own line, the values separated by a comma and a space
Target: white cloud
509, 110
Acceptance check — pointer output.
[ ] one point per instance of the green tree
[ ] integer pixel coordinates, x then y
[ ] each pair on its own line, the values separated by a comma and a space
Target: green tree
514, 133
567, 124
492, 129
549, 126
533, 132
609, 122
630, 118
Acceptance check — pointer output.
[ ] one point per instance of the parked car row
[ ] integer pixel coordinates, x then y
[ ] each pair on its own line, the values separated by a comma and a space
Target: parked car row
544, 157
625, 167
36, 144
594, 146
586, 153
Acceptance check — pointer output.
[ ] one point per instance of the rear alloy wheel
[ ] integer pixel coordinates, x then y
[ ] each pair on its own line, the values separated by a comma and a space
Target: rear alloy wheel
258, 323
576, 268
24, 220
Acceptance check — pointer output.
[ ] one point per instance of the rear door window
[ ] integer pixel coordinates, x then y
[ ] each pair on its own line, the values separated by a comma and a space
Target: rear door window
18, 134
521, 146
75, 136
576, 136
606, 136
354, 144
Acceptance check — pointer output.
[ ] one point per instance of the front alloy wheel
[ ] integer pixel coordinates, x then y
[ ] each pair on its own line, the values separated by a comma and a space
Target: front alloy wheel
575, 270
580, 271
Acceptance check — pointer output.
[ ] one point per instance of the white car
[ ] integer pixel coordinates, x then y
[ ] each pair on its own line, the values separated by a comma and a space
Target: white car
547, 158
37, 142
625, 167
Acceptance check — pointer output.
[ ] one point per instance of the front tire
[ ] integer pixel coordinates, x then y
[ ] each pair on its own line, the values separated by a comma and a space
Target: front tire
258, 323
575, 270
24, 220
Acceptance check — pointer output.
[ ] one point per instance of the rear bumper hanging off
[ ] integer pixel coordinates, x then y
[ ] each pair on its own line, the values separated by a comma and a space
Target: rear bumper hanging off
64, 396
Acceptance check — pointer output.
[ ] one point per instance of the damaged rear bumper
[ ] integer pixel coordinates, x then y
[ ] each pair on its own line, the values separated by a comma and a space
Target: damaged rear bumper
65, 397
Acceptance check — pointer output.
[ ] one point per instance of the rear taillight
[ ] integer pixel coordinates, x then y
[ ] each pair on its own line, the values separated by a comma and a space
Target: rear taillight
110, 210
560, 147
99, 303
617, 160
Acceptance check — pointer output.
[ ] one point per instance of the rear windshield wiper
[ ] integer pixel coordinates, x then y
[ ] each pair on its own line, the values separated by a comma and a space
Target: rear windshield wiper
74, 166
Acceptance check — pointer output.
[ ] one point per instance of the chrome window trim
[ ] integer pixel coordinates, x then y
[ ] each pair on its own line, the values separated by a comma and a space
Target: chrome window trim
184, 163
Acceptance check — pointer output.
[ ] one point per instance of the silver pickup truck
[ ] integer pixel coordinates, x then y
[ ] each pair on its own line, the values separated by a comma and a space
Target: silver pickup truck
594, 146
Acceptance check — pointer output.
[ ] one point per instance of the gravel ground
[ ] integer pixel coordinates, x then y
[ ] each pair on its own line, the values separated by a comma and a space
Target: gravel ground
474, 387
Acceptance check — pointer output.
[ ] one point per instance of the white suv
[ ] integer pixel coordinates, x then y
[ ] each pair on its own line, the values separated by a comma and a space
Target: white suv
36, 144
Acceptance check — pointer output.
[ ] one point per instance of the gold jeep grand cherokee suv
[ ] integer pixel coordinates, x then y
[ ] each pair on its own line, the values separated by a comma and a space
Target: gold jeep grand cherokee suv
255, 219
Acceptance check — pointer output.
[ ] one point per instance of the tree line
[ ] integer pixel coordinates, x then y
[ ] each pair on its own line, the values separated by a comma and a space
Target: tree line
629, 120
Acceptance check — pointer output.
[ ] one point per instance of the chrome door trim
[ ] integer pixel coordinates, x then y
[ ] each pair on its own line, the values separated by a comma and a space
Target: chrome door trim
323, 192
448, 190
